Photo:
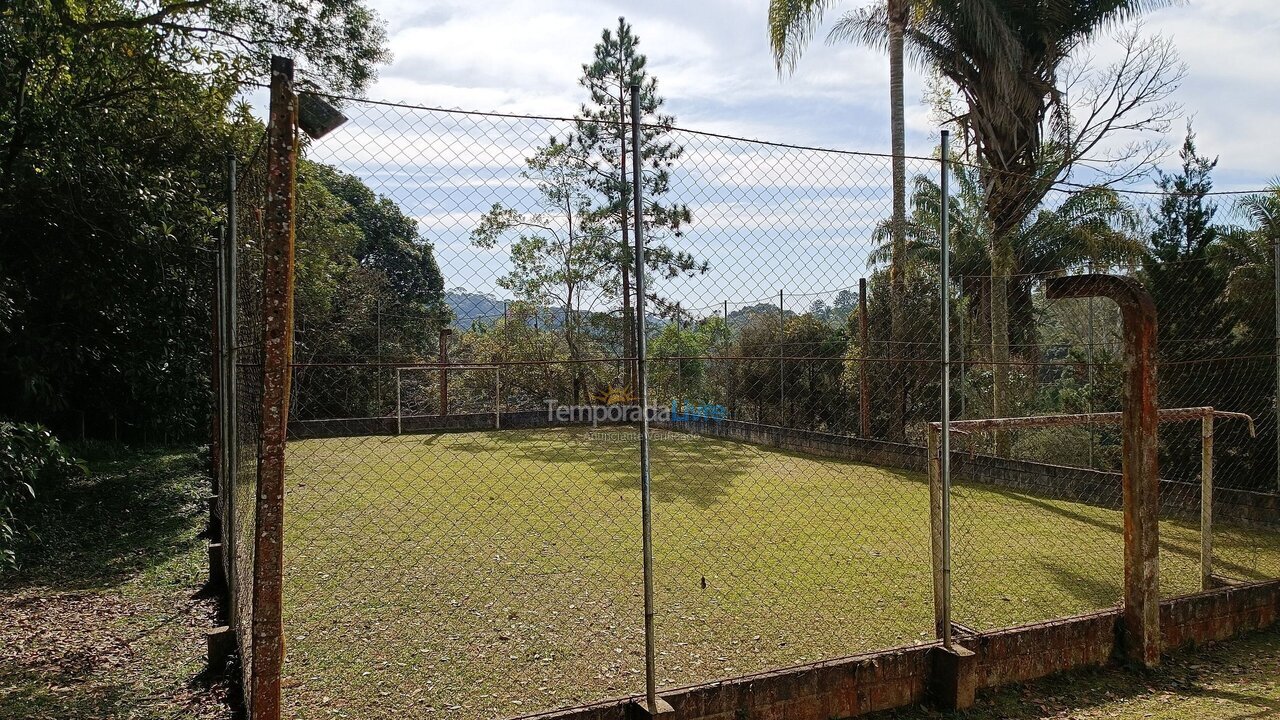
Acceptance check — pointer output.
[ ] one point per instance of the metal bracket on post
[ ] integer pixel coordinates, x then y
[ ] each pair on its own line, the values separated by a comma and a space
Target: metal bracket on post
1139, 444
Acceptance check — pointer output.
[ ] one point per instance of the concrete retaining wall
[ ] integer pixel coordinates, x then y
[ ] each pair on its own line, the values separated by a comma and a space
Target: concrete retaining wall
861, 684
1093, 487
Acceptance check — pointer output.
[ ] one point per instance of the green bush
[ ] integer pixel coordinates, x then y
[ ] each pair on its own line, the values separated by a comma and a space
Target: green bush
29, 456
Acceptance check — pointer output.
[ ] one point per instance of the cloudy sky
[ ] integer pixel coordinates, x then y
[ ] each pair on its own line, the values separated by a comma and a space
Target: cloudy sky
763, 219
714, 66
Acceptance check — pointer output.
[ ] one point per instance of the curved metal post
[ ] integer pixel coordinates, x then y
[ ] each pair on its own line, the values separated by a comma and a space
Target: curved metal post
1139, 423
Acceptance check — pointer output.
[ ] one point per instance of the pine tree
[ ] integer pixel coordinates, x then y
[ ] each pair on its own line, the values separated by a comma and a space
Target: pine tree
603, 139
1188, 289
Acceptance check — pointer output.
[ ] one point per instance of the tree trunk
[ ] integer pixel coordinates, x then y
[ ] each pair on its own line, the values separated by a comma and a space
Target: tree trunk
1001, 269
628, 323
897, 278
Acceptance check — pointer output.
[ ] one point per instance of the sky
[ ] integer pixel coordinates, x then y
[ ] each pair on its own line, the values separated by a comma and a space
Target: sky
715, 68
716, 72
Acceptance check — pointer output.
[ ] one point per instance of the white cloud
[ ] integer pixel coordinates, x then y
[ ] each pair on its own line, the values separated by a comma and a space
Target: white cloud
764, 218
713, 62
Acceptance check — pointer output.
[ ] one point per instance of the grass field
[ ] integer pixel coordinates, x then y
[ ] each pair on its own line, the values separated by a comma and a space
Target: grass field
489, 574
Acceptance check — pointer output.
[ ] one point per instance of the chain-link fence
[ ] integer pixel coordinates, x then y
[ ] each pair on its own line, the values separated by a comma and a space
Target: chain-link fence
238, 367
463, 532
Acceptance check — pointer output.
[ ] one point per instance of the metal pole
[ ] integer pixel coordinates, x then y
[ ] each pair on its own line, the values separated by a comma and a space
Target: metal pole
1206, 500
231, 350
864, 380
941, 616
444, 370
1275, 267
642, 384
497, 397
782, 381
961, 346
729, 367
1089, 375
399, 416
945, 448
218, 379
378, 349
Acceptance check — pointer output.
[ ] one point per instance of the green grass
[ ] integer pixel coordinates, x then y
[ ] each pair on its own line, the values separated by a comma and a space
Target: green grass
489, 574
101, 619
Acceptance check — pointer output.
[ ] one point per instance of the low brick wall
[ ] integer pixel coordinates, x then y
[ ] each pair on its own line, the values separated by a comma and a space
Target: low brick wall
1093, 487
860, 684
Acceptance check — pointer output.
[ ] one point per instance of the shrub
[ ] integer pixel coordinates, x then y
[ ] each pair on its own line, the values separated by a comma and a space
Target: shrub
29, 456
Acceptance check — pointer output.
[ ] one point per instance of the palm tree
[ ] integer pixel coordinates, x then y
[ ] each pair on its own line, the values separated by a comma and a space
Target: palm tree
1245, 257
791, 25
1004, 57
1092, 228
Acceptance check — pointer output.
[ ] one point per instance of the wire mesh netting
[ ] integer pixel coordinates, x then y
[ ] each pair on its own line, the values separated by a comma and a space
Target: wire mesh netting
239, 363
463, 530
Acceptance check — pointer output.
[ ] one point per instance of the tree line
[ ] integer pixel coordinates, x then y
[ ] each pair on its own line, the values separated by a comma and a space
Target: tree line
116, 120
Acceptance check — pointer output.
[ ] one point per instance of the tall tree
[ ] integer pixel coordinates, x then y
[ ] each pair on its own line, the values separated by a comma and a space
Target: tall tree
1010, 61
791, 25
1189, 292
1093, 228
113, 132
1245, 256
603, 140
559, 252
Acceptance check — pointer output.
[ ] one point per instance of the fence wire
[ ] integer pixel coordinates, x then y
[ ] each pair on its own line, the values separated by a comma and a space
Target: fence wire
463, 513
239, 406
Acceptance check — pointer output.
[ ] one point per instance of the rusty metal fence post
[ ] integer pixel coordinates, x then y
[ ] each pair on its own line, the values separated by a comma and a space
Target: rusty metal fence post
1140, 461
1206, 500
277, 297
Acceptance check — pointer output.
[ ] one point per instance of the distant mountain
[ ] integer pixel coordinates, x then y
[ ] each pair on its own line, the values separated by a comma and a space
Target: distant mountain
469, 307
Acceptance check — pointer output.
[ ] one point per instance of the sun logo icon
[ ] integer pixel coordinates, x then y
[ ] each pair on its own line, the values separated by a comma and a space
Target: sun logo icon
615, 395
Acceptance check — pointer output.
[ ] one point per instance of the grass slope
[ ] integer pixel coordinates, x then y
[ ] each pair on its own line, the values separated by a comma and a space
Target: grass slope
490, 574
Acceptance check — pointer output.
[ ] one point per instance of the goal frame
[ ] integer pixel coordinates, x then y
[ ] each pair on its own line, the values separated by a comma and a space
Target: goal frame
939, 508
444, 388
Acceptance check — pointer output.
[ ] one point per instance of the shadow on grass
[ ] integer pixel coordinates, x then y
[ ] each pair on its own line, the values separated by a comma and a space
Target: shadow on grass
1095, 591
696, 471
32, 700
1116, 527
123, 517
83, 692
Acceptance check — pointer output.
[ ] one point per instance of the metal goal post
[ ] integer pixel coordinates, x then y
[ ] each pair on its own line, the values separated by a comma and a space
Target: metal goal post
444, 371
940, 511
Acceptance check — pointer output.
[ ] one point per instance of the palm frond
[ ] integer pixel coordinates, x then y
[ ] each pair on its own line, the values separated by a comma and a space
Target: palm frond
792, 24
